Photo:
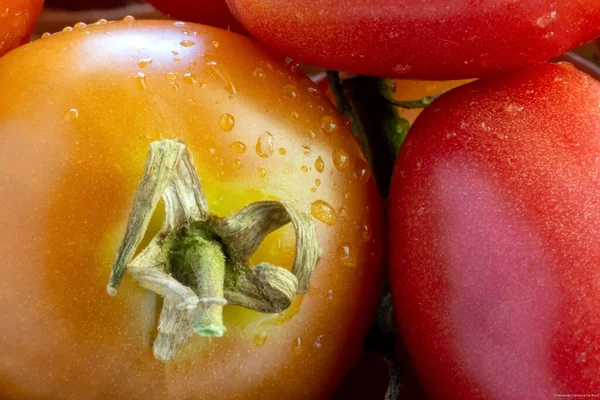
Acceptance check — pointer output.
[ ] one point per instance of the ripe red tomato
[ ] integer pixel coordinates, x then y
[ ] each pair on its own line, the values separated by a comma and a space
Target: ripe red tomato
494, 231
17, 19
77, 113
436, 39
210, 12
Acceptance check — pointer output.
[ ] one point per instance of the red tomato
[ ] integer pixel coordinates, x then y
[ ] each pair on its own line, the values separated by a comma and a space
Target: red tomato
17, 19
210, 12
494, 237
435, 39
78, 112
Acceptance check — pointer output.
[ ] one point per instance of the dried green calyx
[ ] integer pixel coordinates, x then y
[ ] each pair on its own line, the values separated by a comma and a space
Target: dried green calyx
198, 262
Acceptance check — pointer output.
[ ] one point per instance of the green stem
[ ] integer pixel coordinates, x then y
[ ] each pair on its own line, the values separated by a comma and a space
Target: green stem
197, 261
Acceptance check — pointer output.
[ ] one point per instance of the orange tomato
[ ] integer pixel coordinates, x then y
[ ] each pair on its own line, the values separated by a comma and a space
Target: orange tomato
17, 19
77, 113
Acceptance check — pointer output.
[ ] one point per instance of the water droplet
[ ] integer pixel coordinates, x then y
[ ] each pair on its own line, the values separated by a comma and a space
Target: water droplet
318, 342
313, 91
260, 339
71, 115
46, 35
190, 78
177, 60
282, 151
291, 92
171, 76
319, 164
67, 29
175, 53
317, 182
140, 79
330, 294
187, 43
322, 211
314, 190
215, 44
145, 62
328, 124
238, 147
297, 346
361, 170
226, 122
347, 255
259, 73
262, 172
546, 19
304, 168
341, 159
365, 232
229, 86
343, 212
306, 149
101, 21
237, 164
264, 145
295, 115
179, 23
174, 86
129, 18
79, 25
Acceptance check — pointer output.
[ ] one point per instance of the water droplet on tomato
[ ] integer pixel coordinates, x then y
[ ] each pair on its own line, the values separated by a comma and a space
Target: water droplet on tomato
46, 35
365, 232
101, 21
177, 60
259, 73
215, 44
323, 211
187, 43
226, 122
313, 91
145, 62
330, 294
238, 147
341, 159
262, 172
179, 23
319, 164
171, 76
343, 212
140, 79
328, 124
306, 149
237, 164
317, 182
318, 342
260, 339
347, 255
67, 29
282, 151
264, 145
304, 168
190, 78
71, 115
229, 86
129, 18
79, 25
295, 115
297, 346
291, 92
361, 169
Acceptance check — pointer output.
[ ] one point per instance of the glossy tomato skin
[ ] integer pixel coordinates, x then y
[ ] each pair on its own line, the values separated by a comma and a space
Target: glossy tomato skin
17, 19
437, 39
494, 231
78, 112
210, 12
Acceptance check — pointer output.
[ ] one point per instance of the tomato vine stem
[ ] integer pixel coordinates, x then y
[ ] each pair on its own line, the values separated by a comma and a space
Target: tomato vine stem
198, 262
